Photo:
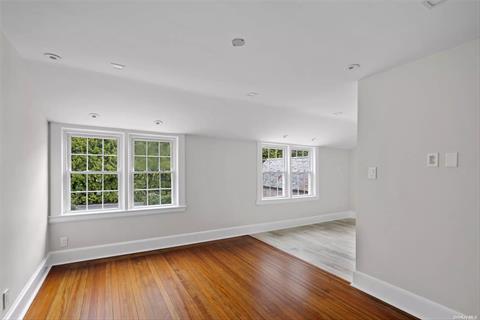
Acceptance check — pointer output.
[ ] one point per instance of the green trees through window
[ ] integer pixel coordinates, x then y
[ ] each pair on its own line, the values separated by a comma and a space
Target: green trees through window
93, 173
152, 176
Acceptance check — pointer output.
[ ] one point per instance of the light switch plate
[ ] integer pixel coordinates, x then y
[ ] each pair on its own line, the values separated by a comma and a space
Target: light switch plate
432, 159
451, 159
372, 173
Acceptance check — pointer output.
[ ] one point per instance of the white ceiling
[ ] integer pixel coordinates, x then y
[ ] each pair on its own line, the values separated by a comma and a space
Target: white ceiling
295, 53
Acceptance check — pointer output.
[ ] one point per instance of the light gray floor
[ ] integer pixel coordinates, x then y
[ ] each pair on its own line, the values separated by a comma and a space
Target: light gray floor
329, 245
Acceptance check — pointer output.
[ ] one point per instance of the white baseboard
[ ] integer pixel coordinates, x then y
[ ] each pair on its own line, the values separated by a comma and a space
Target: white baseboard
24, 299
403, 299
120, 248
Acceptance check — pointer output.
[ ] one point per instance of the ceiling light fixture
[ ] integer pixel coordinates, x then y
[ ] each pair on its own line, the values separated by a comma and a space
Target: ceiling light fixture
238, 42
352, 67
94, 115
158, 122
430, 4
52, 56
285, 136
117, 66
337, 113
252, 94
314, 138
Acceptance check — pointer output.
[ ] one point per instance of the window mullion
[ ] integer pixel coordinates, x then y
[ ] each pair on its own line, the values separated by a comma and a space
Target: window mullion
288, 191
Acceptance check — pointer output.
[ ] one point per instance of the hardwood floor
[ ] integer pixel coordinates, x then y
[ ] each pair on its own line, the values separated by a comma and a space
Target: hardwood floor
239, 278
329, 245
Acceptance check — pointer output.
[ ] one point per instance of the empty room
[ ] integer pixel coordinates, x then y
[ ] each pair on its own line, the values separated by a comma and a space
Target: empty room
240, 159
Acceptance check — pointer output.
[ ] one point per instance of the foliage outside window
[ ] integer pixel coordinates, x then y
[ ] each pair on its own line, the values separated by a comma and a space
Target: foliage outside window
287, 172
152, 173
93, 173
115, 171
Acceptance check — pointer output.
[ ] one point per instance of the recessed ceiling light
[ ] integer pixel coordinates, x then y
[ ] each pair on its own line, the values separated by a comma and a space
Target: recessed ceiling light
314, 138
252, 94
52, 56
117, 65
352, 67
430, 4
285, 136
158, 122
94, 115
337, 113
238, 42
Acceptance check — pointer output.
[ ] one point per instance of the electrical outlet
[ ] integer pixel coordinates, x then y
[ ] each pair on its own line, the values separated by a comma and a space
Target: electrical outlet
63, 242
5, 299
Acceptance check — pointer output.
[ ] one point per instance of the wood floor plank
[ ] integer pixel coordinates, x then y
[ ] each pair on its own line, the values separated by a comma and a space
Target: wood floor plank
328, 245
238, 278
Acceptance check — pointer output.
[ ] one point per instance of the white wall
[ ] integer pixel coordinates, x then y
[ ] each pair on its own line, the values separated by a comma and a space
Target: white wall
418, 227
221, 192
23, 169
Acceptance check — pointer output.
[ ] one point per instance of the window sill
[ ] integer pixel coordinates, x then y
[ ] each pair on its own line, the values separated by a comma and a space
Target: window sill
113, 214
285, 200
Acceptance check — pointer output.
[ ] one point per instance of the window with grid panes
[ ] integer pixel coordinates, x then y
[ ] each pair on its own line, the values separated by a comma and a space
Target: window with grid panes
93, 173
273, 171
287, 172
153, 170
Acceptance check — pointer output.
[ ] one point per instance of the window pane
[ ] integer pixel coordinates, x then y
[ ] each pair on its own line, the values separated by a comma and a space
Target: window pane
272, 153
110, 146
165, 163
153, 181
95, 146
110, 200
300, 184
110, 182
110, 163
140, 148
279, 153
79, 145
140, 181
264, 154
165, 149
301, 163
152, 148
78, 182
273, 184
79, 163
140, 164
153, 163
153, 197
94, 182
166, 197
166, 180
294, 153
78, 201
140, 198
94, 200
95, 163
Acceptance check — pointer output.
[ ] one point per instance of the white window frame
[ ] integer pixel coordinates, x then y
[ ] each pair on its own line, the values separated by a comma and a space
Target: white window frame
59, 178
66, 168
174, 142
288, 196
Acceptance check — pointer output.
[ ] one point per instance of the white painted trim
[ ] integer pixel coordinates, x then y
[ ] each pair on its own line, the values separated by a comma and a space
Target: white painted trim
286, 200
59, 159
402, 299
21, 304
120, 248
115, 214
